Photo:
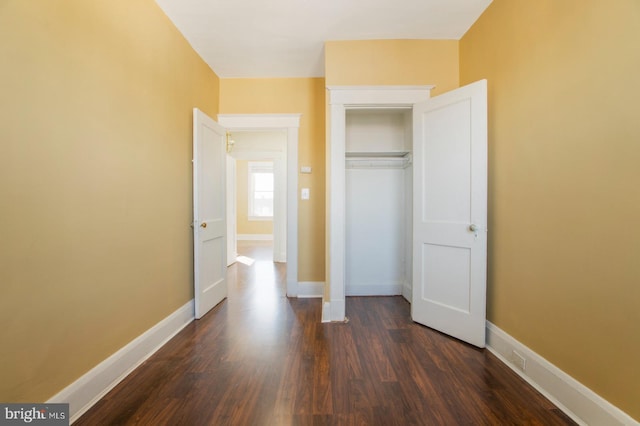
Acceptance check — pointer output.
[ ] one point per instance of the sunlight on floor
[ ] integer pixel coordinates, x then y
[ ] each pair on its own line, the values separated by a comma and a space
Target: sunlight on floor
266, 290
245, 260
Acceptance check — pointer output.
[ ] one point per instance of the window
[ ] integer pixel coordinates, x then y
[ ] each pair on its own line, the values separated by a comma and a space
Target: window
260, 190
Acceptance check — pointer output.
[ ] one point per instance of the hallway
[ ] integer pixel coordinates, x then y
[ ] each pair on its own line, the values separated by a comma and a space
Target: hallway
259, 358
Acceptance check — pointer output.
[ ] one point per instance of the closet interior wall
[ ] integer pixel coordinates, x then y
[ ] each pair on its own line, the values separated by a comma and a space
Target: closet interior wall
378, 176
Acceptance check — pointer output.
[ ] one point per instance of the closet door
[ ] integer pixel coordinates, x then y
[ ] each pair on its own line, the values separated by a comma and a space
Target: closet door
450, 213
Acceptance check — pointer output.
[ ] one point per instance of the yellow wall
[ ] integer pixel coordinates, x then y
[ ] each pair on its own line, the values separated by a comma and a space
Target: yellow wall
95, 181
293, 95
243, 224
393, 62
564, 200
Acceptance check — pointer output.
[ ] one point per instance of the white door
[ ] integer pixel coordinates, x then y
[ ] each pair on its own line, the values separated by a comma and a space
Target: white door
450, 213
209, 213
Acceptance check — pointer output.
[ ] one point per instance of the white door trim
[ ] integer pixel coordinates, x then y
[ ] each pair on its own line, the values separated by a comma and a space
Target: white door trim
290, 123
342, 98
232, 240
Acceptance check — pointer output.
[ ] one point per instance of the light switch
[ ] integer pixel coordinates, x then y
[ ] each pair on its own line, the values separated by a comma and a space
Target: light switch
305, 193
305, 169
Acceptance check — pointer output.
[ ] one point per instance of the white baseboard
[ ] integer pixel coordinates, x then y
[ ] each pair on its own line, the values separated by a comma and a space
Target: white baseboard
407, 292
373, 290
577, 401
254, 237
311, 289
97, 382
292, 288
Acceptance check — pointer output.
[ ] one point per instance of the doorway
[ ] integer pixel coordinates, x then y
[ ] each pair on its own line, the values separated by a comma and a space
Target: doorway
288, 123
366, 99
257, 190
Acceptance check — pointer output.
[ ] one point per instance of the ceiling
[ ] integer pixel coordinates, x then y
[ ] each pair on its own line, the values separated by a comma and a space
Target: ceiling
285, 38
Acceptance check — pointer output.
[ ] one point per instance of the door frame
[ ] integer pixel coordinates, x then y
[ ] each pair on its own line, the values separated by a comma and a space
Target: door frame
232, 234
291, 124
342, 98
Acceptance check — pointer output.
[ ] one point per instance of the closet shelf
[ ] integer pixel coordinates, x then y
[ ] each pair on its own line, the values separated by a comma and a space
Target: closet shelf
377, 161
371, 154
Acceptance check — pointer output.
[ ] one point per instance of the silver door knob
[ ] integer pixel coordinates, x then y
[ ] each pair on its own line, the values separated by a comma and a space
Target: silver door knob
473, 228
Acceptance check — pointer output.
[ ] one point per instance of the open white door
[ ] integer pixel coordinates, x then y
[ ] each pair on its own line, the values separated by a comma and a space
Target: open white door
209, 213
450, 213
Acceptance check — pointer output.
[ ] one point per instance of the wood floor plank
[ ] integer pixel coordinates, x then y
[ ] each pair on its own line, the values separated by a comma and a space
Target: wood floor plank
322, 396
259, 358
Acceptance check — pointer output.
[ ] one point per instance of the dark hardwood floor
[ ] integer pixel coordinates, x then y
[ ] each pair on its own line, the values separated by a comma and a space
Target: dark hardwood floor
259, 358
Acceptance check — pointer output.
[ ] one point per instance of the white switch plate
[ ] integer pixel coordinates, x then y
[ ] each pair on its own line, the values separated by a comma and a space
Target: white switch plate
305, 169
305, 193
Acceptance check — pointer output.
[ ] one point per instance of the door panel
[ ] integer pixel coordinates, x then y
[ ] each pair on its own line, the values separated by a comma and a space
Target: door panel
448, 269
450, 213
209, 213
447, 161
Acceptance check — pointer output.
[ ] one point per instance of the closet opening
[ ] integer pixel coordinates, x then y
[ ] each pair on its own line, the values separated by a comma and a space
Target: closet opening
378, 205
370, 144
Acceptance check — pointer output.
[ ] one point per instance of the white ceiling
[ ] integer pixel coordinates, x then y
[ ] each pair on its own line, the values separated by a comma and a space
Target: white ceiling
285, 38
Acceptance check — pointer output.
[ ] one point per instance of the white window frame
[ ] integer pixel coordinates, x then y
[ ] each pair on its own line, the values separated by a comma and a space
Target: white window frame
257, 167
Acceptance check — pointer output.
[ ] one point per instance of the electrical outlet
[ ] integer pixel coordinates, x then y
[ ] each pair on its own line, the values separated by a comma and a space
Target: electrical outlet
518, 360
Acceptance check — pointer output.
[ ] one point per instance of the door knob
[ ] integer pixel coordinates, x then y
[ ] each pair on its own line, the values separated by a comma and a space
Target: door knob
473, 228
203, 225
